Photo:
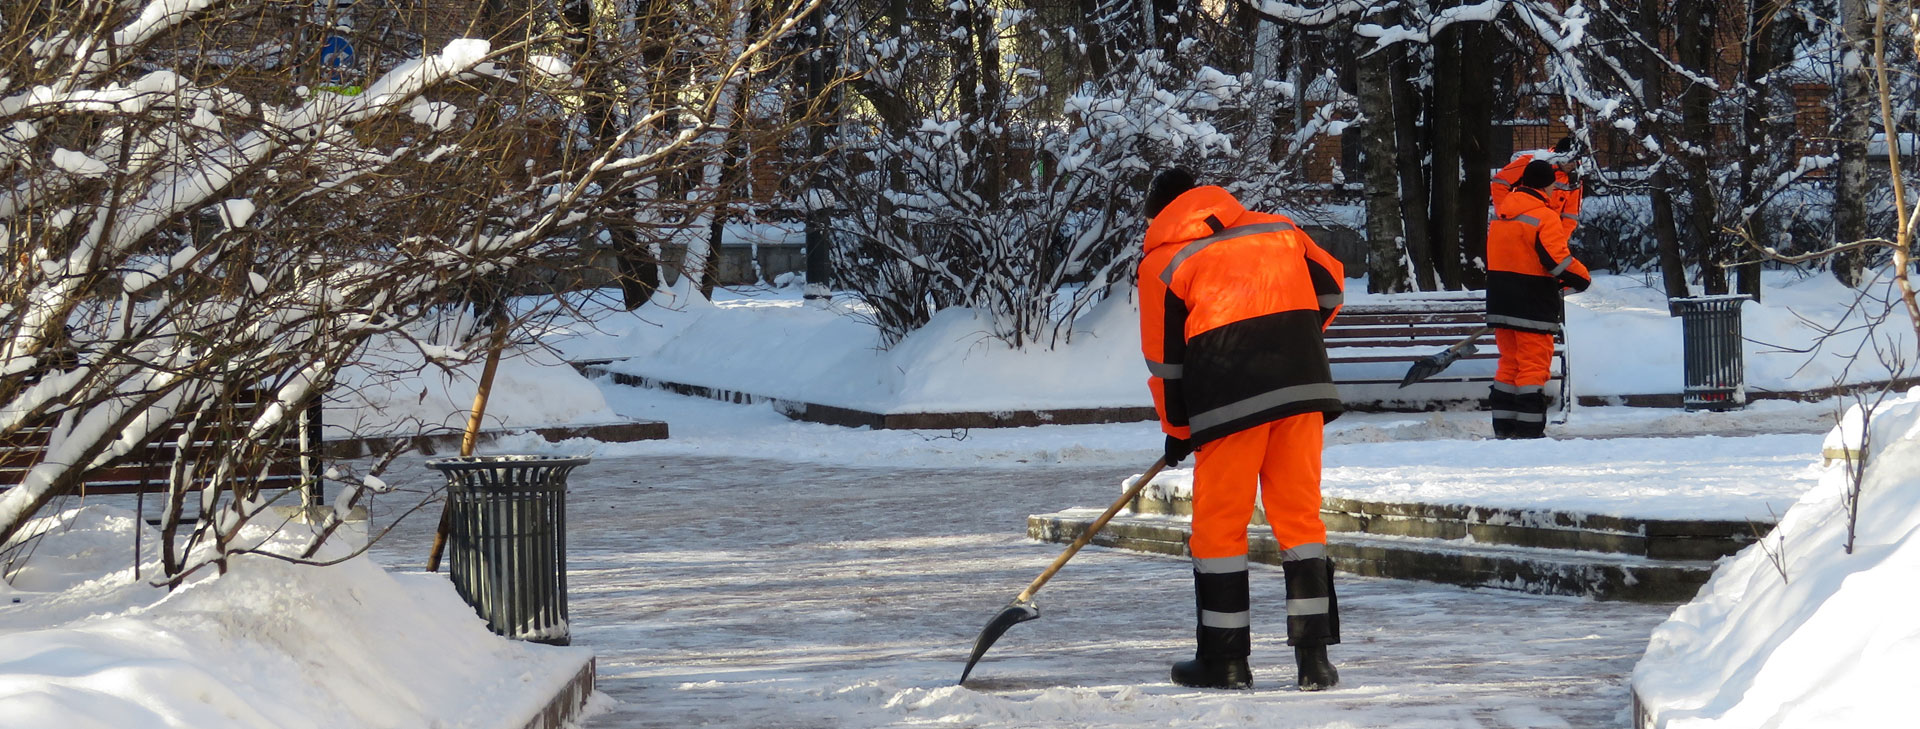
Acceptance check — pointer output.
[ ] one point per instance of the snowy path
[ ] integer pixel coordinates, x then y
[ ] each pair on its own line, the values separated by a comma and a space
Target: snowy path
732, 592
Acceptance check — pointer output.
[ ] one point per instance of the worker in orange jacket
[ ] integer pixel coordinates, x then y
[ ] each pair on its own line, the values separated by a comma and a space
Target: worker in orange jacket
1232, 307
1528, 265
1565, 193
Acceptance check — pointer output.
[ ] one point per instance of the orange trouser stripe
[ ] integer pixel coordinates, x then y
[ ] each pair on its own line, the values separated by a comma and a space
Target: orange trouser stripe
1526, 358
1280, 460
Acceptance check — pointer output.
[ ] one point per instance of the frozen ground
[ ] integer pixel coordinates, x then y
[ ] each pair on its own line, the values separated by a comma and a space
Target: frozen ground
808, 595
757, 572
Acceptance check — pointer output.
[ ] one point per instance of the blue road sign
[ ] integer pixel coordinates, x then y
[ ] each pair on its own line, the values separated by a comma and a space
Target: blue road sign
336, 53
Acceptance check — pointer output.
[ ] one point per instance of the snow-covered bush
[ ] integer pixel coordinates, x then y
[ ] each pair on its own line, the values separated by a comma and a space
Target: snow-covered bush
1014, 189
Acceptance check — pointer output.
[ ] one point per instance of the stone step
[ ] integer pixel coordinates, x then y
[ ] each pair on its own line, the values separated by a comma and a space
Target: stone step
1683, 539
1598, 575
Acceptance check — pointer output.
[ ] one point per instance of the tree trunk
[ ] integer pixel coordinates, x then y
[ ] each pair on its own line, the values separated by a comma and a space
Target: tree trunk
1266, 57
1412, 168
1385, 236
1695, 53
1476, 142
1444, 127
1760, 143
1666, 234
1853, 126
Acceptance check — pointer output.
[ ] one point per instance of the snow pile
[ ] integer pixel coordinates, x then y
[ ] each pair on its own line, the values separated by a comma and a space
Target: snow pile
774, 344
392, 390
83, 644
1796, 632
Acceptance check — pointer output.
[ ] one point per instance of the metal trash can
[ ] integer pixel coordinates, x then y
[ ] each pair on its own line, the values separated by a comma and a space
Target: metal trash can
507, 541
1716, 376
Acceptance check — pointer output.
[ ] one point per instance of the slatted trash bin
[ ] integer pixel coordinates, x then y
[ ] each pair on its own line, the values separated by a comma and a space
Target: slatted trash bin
507, 541
1711, 349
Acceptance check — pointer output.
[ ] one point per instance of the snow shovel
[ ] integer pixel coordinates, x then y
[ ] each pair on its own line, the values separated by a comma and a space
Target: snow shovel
1023, 609
1433, 364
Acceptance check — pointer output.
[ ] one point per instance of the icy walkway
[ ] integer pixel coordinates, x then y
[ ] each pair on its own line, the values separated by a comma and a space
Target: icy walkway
732, 592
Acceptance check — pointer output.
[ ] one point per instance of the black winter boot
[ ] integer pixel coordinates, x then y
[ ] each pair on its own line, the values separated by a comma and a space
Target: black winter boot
1217, 673
1224, 635
1501, 401
1316, 672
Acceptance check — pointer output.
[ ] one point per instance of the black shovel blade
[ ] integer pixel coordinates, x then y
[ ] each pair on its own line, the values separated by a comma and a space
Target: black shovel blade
1426, 367
1011, 615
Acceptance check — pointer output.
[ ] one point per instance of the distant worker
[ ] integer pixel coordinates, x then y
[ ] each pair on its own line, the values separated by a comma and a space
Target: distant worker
1232, 307
1563, 195
1528, 264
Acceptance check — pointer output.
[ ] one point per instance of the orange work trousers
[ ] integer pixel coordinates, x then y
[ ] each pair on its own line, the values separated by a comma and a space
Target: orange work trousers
1281, 460
1526, 358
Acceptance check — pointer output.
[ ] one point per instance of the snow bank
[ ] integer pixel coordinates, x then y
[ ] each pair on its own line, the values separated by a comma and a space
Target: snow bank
768, 342
383, 395
1834, 641
269, 645
774, 344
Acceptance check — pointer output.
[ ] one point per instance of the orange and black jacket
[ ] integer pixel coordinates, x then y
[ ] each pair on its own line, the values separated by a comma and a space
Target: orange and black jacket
1564, 198
1528, 262
1232, 307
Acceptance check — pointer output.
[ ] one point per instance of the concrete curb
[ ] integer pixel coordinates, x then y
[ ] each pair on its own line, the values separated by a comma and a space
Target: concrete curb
849, 417
433, 443
565, 707
1597, 575
1681, 539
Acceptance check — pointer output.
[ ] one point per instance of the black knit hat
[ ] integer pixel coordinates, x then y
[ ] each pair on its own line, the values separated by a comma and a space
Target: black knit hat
1538, 175
1166, 186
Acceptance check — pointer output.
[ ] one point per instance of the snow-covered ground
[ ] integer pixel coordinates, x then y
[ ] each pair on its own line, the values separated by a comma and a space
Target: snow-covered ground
843, 591
754, 571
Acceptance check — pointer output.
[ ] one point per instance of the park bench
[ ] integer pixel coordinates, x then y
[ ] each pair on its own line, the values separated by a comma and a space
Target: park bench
292, 463
1372, 343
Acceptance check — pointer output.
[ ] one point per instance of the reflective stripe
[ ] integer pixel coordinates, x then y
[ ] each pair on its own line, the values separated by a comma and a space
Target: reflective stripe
1528, 219
1220, 565
1164, 371
1240, 619
1166, 275
1530, 389
1315, 550
1263, 401
1562, 268
1514, 321
1499, 386
1575, 217
1521, 416
1307, 606
1502, 183
1328, 301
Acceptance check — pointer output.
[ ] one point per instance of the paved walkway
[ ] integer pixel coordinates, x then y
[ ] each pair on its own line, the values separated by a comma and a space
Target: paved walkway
744, 593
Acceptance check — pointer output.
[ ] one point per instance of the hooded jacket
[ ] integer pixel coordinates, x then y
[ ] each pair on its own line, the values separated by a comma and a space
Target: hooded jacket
1527, 263
1564, 198
1232, 307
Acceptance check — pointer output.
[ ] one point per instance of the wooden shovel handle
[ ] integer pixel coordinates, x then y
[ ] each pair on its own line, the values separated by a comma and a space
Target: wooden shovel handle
469, 437
1087, 536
